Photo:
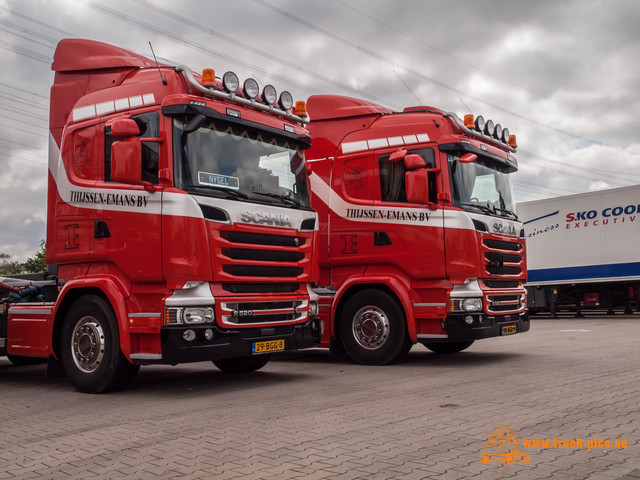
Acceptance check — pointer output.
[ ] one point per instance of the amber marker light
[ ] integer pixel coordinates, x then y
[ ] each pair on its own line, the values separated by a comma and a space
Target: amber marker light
209, 77
301, 108
512, 141
468, 121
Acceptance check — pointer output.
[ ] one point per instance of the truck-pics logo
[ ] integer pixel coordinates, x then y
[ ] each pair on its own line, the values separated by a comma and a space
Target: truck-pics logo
502, 446
277, 219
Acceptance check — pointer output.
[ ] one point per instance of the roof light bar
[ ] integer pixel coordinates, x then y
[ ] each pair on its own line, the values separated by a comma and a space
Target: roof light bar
230, 83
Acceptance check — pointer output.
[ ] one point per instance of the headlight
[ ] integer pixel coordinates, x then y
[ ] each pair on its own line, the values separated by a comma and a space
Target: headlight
269, 95
286, 101
313, 309
197, 315
230, 82
251, 88
472, 304
465, 304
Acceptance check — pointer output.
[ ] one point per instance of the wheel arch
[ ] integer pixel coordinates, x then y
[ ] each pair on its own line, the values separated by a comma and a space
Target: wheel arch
393, 286
106, 289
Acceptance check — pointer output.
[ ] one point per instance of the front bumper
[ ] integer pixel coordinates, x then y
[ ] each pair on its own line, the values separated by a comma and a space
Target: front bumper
483, 326
229, 343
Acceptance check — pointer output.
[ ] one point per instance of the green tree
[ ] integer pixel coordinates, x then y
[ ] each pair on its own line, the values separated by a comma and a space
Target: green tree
8, 266
37, 263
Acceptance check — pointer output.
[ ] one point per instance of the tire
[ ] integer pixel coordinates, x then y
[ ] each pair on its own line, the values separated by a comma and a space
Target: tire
90, 348
242, 364
406, 347
19, 361
373, 329
448, 347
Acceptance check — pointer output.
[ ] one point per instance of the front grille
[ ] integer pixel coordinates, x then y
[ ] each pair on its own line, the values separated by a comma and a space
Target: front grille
252, 257
501, 283
505, 303
259, 271
261, 287
263, 255
262, 239
249, 313
502, 257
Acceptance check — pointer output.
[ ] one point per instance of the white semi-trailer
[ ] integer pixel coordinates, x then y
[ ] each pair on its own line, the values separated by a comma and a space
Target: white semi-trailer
583, 250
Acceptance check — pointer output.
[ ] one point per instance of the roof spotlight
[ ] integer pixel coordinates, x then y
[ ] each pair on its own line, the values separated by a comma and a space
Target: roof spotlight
497, 132
505, 135
488, 128
480, 123
250, 88
269, 94
285, 101
230, 82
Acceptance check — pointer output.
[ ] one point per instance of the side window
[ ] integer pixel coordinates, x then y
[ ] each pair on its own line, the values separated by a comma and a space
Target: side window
392, 176
85, 155
149, 128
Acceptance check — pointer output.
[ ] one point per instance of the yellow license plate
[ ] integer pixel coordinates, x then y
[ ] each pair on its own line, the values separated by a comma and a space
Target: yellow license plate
509, 329
270, 346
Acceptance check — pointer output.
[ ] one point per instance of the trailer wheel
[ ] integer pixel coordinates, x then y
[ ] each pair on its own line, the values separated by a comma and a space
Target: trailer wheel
372, 328
242, 364
90, 352
448, 347
19, 361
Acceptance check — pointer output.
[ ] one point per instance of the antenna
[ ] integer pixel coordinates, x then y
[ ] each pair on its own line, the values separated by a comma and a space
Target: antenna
407, 86
164, 82
465, 105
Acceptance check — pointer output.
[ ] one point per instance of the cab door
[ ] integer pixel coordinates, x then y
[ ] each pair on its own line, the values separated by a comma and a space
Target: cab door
351, 215
408, 236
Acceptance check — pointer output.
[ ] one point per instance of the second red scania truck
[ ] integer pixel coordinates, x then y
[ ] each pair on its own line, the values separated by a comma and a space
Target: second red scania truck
179, 220
419, 240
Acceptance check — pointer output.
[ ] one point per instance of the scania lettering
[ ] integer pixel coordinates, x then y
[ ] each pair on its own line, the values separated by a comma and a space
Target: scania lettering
419, 240
179, 219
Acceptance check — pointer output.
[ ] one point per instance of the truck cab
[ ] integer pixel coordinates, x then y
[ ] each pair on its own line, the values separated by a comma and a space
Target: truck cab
178, 216
419, 238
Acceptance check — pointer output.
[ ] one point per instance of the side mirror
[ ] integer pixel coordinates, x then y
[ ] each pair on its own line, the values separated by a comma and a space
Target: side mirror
124, 128
126, 161
397, 155
468, 158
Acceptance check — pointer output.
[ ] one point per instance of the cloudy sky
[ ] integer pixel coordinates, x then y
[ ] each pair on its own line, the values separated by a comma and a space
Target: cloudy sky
563, 76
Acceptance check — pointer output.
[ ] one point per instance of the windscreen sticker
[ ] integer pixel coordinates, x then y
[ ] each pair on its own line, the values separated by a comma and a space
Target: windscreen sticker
217, 180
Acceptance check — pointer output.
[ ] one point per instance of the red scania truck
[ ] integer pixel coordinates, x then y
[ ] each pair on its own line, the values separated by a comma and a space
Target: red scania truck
178, 217
419, 240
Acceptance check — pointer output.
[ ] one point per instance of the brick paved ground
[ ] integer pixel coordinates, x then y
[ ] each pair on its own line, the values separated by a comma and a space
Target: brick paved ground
305, 416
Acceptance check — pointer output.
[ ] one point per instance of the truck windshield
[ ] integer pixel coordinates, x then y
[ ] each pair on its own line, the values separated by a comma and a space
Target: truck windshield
482, 186
227, 160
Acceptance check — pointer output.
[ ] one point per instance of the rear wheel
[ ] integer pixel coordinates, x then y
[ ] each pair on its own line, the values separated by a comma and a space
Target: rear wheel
242, 364
448, 347
372, 328
90, 352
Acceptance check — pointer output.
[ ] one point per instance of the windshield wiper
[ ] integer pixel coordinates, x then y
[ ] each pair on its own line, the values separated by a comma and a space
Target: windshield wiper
507, 211
483, 208
282, 197
228, 191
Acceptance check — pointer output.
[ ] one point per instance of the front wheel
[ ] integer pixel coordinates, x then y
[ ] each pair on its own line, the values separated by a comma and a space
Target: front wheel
90, 348
242, 364
448, 347
373, 329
